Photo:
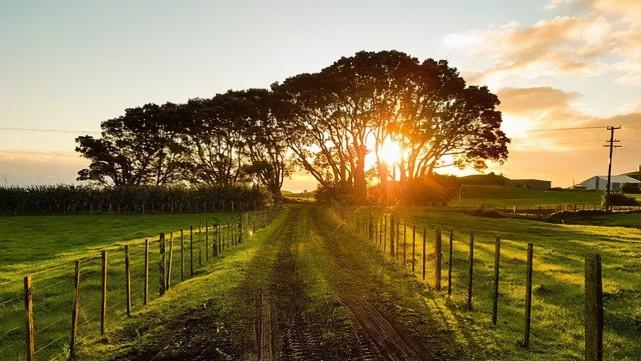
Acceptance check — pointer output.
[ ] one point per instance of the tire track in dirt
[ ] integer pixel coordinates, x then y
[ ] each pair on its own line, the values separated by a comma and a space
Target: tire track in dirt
286, 332
265, 333
382, 336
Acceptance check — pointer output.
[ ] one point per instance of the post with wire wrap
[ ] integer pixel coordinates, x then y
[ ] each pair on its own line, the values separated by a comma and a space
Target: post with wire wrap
161, 265
438, 246
28, 305
593, 308
495, 300
74, 310
470, 274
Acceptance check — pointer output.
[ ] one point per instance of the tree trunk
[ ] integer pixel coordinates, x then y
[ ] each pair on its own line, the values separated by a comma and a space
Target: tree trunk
360, 184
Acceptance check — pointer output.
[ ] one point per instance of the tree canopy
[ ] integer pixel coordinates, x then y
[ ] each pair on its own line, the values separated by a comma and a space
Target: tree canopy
332, 124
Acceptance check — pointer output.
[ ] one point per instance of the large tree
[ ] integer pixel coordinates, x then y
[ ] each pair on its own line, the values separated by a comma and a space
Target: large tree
338, 110
140, 147
328, 121
236, 137
215, 141
262, 112
360, 102
443, 122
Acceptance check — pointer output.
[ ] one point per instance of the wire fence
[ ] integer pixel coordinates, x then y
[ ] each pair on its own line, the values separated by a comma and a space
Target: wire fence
118, 280
540, 300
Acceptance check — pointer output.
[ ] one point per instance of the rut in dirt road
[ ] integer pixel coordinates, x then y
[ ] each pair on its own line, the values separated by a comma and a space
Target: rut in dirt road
287, 329
375, 321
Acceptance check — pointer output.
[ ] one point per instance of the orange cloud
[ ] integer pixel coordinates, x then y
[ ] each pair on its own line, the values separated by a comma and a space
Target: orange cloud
528, 100
542, 147
605, 39
532, 117
39, 167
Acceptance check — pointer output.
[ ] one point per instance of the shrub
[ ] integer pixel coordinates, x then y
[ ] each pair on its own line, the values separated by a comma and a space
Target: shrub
631, 188
618, 199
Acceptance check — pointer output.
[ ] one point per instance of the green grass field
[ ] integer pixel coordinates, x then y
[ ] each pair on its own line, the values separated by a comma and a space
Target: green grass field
557, 314
507, 197
47, 246
214, 287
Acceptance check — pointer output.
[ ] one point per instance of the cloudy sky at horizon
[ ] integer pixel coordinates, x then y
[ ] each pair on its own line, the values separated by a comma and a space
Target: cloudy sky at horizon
554, 64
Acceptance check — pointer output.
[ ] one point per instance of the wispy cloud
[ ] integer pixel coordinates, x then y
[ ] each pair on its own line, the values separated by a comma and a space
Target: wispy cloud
534, 116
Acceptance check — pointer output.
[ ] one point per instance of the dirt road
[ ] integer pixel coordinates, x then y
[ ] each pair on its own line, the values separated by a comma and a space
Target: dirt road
312, 292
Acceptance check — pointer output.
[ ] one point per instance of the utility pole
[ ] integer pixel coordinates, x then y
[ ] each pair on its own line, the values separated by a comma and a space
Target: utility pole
611, 145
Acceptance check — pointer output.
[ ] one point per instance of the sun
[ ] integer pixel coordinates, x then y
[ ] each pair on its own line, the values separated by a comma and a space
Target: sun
391, 151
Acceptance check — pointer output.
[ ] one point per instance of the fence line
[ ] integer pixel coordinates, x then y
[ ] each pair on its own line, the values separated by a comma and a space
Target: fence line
95, 303
380, 233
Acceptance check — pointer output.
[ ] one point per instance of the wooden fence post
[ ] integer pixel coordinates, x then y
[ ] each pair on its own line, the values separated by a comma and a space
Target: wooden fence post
28, 306
161, 266
74, 310
217, 241
593, 308
528, 296
240, 228
470, 274
438, 259
398, 238
145, 290
449, 264
182, 255
370, 229
170, 261
200, 242
377, 236
413, 246
404, 245
497, 258
384, 236
206, 241
424, 250
391, 235
127, 281
103, 305
191, 251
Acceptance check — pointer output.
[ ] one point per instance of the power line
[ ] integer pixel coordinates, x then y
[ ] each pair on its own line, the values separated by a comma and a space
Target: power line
583, 128
42, 130
555, 129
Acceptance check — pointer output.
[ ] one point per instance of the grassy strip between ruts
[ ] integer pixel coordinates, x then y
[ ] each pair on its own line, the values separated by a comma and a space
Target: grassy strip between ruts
212, 287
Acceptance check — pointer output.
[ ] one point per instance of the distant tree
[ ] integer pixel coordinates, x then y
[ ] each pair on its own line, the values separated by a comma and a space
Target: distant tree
140, 147
236, 137
263, 113
215, 142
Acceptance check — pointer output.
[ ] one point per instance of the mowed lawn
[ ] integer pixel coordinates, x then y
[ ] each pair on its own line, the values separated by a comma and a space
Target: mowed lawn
558, 283
498, 196
47, 246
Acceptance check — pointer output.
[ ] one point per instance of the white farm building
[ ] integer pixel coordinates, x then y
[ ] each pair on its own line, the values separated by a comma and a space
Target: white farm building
600, 182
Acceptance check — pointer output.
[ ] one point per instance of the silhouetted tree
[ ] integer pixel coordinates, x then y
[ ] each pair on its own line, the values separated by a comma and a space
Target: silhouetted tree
327, 121
359, 102
140, 147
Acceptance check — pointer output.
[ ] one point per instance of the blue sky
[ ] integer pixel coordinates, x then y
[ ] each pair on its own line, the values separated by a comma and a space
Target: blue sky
72, 64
